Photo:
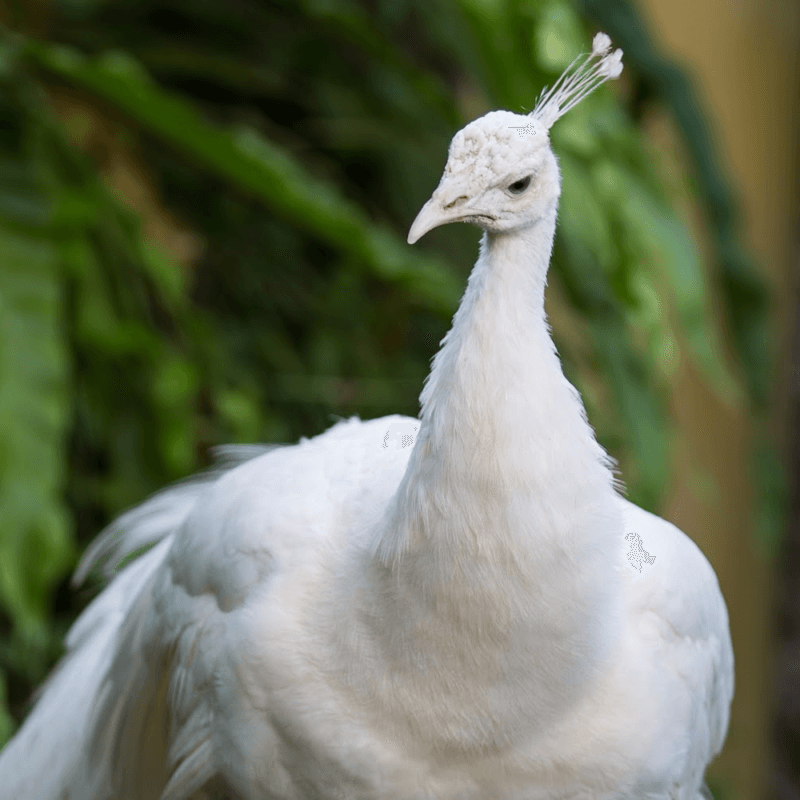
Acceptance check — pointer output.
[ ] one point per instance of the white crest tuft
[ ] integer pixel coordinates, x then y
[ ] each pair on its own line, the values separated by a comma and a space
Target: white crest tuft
576, 82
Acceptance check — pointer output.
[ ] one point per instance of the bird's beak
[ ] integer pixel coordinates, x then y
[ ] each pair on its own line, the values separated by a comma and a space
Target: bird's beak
443, 207
431, 215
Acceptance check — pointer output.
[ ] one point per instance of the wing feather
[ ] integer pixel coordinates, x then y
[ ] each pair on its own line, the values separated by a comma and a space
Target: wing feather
102, 722
683, 617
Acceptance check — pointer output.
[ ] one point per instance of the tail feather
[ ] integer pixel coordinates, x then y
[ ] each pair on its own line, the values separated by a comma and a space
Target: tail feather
149, 522
44, 756
84, 726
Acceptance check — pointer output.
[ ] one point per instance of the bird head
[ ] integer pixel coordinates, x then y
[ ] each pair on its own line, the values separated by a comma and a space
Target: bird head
501, 173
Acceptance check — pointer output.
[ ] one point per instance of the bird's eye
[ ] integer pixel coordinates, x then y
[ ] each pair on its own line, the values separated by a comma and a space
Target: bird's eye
518, 187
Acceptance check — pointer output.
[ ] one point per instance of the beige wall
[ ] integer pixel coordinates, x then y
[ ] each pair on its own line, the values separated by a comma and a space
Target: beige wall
743, 55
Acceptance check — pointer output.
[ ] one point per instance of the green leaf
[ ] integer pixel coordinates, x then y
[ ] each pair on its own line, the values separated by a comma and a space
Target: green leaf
665, 239
581, 215
168, 277
35, 543
559, 37
641, 412
7, 725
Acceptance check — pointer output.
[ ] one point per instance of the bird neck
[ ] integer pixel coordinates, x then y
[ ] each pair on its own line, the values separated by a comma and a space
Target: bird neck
494, 561
501, 427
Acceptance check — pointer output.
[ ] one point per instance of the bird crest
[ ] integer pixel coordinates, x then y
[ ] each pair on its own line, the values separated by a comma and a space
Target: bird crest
579, 79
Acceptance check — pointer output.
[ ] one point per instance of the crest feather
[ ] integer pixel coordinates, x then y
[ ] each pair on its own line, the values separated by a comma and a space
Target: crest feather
576, 82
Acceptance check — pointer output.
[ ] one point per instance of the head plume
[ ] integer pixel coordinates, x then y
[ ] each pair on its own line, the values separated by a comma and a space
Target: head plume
576, 82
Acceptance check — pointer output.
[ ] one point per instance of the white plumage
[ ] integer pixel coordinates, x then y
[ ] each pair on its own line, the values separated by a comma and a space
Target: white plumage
442, 608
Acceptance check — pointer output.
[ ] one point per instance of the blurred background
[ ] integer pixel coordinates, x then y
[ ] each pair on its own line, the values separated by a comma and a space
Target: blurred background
203, 210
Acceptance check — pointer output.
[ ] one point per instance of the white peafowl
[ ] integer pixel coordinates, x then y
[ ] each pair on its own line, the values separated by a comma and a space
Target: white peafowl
442, 608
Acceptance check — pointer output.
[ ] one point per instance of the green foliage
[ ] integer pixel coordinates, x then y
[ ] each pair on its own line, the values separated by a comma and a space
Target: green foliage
298, 140
35, 396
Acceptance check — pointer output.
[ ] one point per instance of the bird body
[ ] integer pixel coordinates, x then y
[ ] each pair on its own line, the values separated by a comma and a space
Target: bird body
436, 608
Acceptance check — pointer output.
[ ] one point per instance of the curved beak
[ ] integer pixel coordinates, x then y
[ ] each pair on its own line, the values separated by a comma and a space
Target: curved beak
431, 216
447, 204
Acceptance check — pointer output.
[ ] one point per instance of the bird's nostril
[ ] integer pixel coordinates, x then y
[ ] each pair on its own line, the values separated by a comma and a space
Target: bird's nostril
457, 202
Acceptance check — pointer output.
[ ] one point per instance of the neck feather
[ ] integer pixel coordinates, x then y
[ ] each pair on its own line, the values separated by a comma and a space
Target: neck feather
494, 562
501, 425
